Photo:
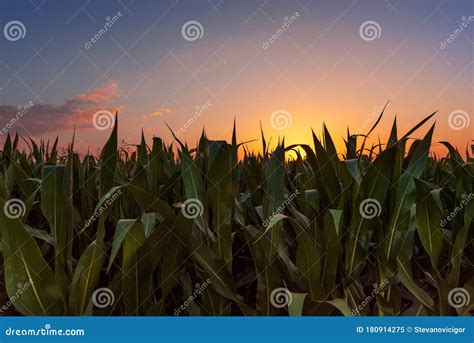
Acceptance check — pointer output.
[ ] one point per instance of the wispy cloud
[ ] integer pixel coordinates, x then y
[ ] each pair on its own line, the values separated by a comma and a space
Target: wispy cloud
158, 112
77, 110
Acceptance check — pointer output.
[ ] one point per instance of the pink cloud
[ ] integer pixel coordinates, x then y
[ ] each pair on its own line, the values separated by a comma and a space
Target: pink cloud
77, 110
158, 112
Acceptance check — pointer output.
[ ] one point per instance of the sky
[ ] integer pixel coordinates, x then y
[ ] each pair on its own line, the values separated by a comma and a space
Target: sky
289, 65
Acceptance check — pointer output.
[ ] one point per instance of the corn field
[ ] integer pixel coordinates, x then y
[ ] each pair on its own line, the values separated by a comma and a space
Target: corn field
383, 229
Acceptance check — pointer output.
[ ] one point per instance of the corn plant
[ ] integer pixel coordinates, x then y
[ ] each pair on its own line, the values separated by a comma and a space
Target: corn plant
221, 230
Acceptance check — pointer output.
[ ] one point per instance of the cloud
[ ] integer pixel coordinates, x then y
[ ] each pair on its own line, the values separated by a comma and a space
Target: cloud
158, 112
32, 118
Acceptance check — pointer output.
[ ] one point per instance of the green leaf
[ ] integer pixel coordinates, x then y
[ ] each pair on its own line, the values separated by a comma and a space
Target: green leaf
342, 306
150, 203
460, 244
26, 270
325, 173
221, 198
331, 247
221, 279
135, 287
194, 189
273, 198
108, 161
405, 275
428, 222
175, 254
149, 221
405, 197
295, 307
122, 229
86, 275
56, 205
373, 190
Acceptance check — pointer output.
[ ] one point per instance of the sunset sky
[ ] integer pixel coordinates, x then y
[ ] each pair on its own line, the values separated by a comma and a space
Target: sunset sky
307, 61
